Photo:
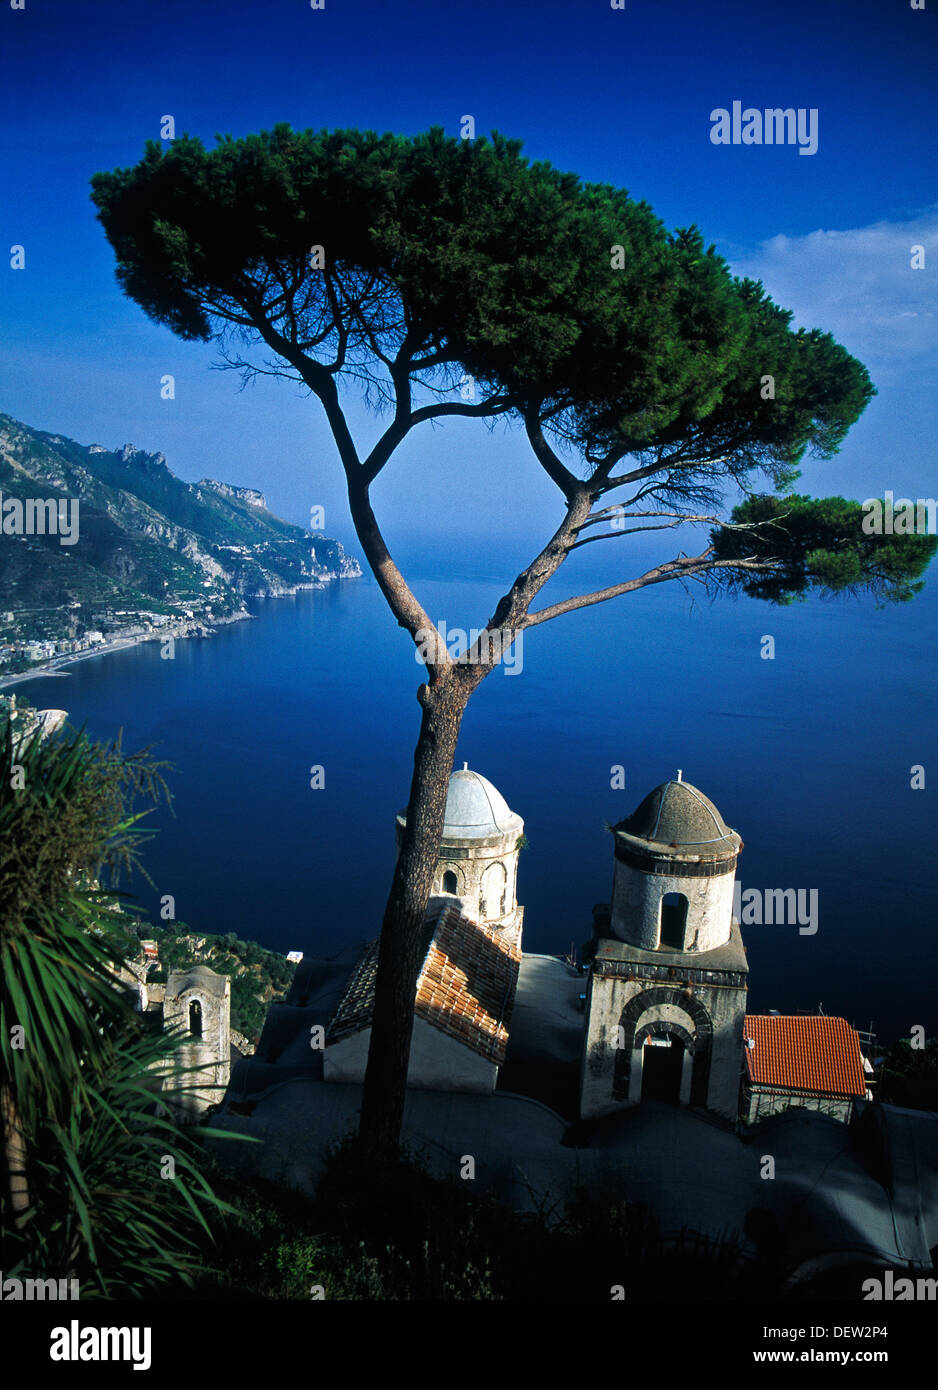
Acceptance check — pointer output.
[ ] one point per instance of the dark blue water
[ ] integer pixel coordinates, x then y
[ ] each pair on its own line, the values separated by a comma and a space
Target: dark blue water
807, 755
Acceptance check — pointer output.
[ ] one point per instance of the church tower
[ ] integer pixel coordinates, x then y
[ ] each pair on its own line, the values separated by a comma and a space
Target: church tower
667, 991
197, 1006
479, 851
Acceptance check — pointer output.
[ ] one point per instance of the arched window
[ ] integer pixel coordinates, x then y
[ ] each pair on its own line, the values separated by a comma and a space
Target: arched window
195, 1019
493, 893
450, 882
673, 921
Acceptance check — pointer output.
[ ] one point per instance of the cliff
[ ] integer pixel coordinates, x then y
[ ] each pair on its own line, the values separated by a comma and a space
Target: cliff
144, 542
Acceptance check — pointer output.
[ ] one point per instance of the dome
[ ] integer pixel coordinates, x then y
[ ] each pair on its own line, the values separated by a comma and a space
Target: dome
677, 817
475, 809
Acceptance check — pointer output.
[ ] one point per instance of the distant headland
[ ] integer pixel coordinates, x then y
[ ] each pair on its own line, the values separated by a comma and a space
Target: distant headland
101, 549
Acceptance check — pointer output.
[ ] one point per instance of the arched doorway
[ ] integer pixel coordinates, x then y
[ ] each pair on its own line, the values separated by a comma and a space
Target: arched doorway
450, 883
663, 1012
662, 1068
195, 1019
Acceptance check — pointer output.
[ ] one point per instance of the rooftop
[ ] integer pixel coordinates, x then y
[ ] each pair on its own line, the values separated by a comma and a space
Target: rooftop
475, 809
466, 984
678, 816
804, 1053
197, 977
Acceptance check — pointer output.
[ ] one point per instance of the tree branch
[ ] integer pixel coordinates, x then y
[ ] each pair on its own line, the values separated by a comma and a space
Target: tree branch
551, 464
401, 426
512, 607
684, 567
640, 530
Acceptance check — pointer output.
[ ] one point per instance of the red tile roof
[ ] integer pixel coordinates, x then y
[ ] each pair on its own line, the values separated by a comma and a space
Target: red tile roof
805, 1052
466, 986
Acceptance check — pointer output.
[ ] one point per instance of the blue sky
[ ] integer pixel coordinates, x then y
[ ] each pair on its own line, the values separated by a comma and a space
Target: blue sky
619, 96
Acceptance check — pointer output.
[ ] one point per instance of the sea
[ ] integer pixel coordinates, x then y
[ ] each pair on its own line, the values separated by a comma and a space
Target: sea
812, 745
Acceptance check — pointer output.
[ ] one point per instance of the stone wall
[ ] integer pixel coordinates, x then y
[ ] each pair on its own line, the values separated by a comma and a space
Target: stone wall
636, 906
199, 998
705, 1015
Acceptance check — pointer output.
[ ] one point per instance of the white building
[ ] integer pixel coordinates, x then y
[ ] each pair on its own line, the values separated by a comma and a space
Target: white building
666, 1001
470, 955
479, 851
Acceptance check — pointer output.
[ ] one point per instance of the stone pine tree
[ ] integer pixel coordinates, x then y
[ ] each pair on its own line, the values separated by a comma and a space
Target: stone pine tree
650, 382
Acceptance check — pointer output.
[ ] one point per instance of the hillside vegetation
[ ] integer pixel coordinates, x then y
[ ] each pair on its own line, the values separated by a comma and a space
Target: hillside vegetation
148, 543
258, 976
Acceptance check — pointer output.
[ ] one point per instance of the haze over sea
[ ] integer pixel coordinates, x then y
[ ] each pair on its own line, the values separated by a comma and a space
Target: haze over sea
808, 756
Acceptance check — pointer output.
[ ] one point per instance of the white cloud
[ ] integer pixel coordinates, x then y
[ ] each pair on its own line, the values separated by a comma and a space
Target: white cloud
858, 285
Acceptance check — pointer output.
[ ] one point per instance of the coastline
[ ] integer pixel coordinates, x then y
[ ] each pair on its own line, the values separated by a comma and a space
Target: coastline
56, 666
193, 628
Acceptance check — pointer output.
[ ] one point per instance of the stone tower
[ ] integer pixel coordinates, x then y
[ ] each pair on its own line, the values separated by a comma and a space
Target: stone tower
479, 851
667, 990
197, 1004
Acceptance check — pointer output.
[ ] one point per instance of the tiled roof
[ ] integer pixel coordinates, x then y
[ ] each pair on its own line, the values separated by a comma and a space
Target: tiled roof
807, 1052
353, 1011
466, 986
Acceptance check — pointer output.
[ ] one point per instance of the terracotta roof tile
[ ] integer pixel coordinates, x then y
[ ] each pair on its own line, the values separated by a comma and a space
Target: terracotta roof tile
353, 1011
466, 986
807, 1052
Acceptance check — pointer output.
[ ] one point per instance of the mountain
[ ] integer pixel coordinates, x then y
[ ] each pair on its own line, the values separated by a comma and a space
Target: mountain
146, 542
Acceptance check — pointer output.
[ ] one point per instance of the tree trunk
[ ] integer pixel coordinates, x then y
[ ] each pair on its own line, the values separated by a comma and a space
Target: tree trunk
14, 1147
444, 702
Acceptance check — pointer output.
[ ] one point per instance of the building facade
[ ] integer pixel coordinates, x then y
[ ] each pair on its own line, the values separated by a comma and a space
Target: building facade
666, 1000
479, 851
801, 1061
470, 955
197, 1005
